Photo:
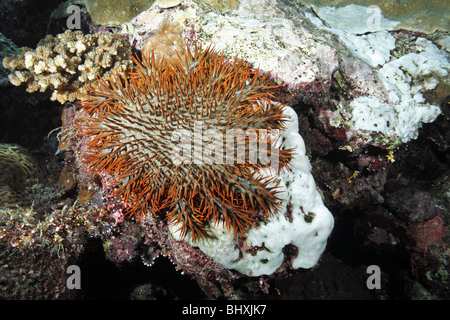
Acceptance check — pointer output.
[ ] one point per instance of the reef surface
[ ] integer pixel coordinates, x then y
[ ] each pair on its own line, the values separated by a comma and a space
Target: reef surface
368, 100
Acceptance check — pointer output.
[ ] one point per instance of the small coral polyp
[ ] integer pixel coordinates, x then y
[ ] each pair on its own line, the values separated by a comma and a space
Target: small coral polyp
141, 130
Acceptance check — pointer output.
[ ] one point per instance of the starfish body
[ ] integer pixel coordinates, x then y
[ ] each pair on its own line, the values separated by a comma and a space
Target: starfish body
163, 131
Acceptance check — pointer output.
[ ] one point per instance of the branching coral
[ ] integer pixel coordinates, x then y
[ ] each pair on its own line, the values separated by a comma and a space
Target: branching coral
68, 62
18, 169
133, 126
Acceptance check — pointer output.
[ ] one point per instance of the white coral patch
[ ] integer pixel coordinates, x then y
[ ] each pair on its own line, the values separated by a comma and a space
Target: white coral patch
406, 78
307, 227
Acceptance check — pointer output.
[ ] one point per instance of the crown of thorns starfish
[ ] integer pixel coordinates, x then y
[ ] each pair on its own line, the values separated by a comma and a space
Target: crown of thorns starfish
134, 127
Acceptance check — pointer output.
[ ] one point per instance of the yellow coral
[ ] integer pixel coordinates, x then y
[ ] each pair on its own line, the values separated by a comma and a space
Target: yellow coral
166, 42
68, 62
18, 169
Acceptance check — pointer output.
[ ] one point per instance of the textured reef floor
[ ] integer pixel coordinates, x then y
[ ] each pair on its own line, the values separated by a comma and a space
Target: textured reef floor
372, 105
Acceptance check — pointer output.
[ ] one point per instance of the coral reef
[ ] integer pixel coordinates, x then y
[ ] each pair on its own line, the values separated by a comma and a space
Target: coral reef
19, 170
385, 99
160, 25
60, 230
280, 43
356, 180
371, 104
68, 62
38, 243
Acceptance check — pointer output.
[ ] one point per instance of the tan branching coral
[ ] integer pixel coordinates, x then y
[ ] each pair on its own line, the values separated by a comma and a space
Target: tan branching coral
166, 42
68, 62
18, 169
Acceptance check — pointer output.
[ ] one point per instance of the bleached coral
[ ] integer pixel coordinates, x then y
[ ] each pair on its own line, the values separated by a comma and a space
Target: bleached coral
68, 62
265, 35
363, 19
18, 169
422, 16
408, 79
302, 222
395, 118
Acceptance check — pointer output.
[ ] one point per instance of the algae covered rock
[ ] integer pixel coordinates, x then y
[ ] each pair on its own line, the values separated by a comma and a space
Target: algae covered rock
19, 168
114, 13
